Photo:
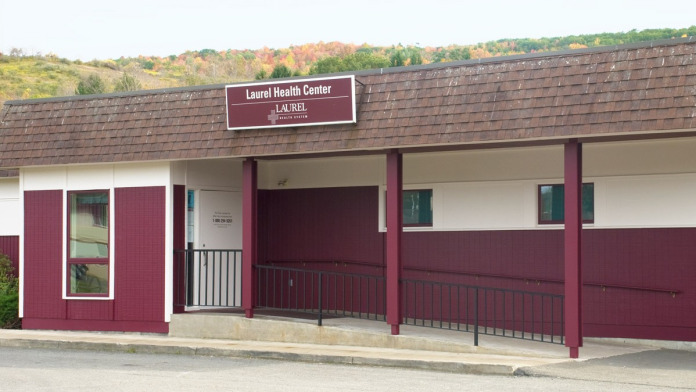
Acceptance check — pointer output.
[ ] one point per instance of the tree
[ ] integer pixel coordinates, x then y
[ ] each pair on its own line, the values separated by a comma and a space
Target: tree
92, 85
127, 83
361, 60
352, 62
281, 71
416, 58
262, 74
397, 59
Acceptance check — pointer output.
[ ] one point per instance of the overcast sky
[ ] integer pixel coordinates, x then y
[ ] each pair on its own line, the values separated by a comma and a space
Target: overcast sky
98, 29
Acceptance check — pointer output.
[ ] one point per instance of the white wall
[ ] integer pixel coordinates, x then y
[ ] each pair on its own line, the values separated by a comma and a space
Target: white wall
10, 215
219, 174
648, 183
322, 172
646, 201
96, 176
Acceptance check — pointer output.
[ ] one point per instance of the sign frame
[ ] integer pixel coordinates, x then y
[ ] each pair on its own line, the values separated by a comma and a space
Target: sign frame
302, 96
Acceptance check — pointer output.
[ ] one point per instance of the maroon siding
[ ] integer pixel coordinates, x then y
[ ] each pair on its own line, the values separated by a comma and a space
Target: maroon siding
320, 225
43, 256
628, 273
478, 257
644, 260
9, 246
140, 250
138, 303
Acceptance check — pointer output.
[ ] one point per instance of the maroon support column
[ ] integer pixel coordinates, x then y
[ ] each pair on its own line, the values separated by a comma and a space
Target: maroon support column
179, 244
394, 229
573, 242
249, 234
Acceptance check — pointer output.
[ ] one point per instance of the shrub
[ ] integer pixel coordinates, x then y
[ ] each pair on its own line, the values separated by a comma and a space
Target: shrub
92, 85
9, 295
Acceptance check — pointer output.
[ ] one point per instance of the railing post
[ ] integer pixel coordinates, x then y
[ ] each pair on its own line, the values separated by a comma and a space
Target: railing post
320, 296
476, 316
188, 271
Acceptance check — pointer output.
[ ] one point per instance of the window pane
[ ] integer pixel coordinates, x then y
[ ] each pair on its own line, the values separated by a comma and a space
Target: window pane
89, 225
418, 207
588, 202
552, 203
89, 278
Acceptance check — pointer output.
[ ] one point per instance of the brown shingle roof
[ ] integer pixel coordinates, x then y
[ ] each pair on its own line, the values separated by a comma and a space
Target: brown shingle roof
649, 87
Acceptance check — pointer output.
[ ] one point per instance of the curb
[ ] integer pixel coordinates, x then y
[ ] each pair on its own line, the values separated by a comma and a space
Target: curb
357, 360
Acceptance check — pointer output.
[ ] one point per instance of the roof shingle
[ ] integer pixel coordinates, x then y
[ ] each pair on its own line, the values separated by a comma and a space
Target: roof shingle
633, 89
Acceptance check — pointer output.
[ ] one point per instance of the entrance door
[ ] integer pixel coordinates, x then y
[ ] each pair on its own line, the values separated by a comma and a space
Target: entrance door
220, 220
218, 270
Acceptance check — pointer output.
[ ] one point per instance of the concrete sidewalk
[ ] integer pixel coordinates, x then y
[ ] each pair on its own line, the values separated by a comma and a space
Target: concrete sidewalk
473, 363
506, 357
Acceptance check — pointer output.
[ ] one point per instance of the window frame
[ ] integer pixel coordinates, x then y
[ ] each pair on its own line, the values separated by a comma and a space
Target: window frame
540, 221
71, 261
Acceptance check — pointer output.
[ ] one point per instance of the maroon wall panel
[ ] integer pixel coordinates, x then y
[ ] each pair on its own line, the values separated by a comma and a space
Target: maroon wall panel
638, 260
643, 260
43, 255
327, 224
9, 246
140, 248
90, 310
318, 228
522, 253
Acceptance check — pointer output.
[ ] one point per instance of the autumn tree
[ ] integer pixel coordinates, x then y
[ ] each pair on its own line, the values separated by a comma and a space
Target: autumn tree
93, 84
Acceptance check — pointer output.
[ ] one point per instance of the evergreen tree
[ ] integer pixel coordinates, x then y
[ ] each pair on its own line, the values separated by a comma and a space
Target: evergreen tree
281, 71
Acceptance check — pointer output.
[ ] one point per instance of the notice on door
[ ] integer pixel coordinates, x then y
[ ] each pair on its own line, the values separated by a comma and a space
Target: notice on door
222, 219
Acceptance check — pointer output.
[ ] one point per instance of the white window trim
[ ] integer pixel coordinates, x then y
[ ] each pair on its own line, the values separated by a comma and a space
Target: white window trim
382, 221
112, 236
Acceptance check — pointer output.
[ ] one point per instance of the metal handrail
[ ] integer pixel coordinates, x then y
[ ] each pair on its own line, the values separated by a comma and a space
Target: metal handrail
484, 310
525, 279
207, 277
321, 292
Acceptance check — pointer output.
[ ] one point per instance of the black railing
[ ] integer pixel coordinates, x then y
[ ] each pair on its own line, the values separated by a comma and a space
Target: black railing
209, 277
483, 310
321, 292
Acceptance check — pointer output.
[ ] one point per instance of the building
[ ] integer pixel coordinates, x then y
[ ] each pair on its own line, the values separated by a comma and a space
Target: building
489, 157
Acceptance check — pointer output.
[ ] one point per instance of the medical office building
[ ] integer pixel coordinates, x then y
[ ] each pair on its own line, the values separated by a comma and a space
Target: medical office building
571, 174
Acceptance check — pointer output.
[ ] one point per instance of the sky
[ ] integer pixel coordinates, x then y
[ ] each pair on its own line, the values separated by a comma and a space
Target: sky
97, 29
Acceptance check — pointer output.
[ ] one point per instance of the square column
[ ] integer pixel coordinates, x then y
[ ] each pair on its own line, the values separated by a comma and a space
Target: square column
573, 246
393, 246
249, 235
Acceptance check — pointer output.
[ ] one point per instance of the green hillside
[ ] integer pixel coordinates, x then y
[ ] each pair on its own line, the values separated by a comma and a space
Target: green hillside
38, 76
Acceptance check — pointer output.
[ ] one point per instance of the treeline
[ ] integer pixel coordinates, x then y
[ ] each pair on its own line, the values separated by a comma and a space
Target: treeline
35, 76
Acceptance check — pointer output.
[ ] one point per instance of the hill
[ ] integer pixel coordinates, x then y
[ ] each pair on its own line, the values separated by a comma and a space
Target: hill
25, 76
